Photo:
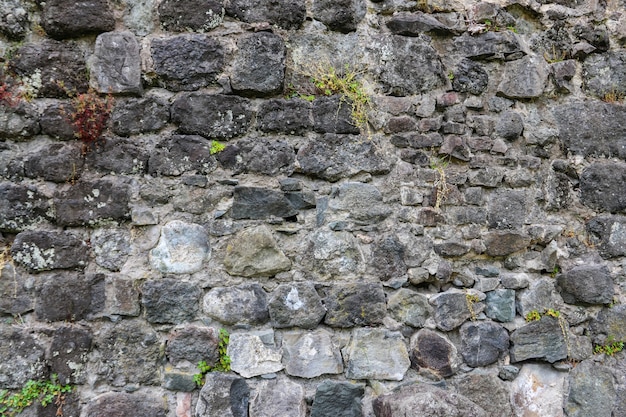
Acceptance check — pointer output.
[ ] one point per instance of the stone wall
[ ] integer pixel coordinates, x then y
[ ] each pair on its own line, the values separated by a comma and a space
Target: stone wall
380, 271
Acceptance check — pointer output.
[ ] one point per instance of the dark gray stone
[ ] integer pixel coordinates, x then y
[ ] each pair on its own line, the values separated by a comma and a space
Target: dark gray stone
359, 304
43, 251
603, 186
509, 125
89, 203
56, 162
68, 354
83, 296
339, 15
278, 398
175, 380
340, 156
333, 115
187, 62
296, 305
259, 65
14, 19
417, 140
117, 66
524, 78
591, 391
132, 116
409, 307
267, 156
507, 209
124, 404
425, 400
609, 323
193, 344
291, 117
287, 14
119, 156
16, 291
22, 206
310, 354
542, 340
609, 234
224, 395
22, 358
302, 200
259, 203
433, 352
540, 296
254, 252
487, 391
241, 304
562, 73
191, 15
456, 147
482, 343
55, 123
502, 243
362, 202
178, 154
388, 258
501, 305
337, 399
605, 73
486, 177
18, 122
67, 18
412, 24
61, 64
586, 284
212, 116
170, 301
452, 308
450, 249
470, 77
489, 45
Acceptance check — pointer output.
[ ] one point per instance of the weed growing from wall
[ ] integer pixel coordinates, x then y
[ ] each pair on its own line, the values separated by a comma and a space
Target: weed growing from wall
223, 362
33, 392
89, 116
610, 348
216, 147
441, 184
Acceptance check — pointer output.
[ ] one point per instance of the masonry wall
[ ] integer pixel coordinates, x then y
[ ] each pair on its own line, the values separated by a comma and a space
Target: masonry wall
460, 253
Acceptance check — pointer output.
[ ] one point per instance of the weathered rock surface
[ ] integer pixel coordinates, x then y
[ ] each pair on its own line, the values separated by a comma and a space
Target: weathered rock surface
278, 398
68, 351
57, 162
602, 186
43, 251
22, 206
254, 252
296, 305
14, 19
609, 233
487, 391
350, 305
22, 358
538, 391
586, 284
287, 14
451, 309
541, 339
482, 343
409, 307
182, 248
254, 353
131, 116
433, 352
310, 354
259, 65
117, 67
122, 404
65, 18
111, 247
267, 156
337, 397
524, 78
591, 391
223, 395
242, 304
376, 354
501, 305
190, 15
170, 301
83, 296
489, 45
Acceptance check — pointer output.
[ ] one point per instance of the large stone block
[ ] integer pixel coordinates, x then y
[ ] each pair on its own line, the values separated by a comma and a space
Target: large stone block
507, 209
18, 123
592, 391
453, 308
287, 14
538, 390
409, 307
69, 353
433, 352
254, 353
363, 203
43, 251
482, 343
116, 66
170, 301
267, 156
242, 304
338, 399
56, 162
131, 116
542, 340
310, 354
191, 15
376, 354
22, 358
16, 291
609, 234
296, 305
333, 114
490, 45
177, 154
358, 304
68, 18
413, 24
603, 186
259, 65
605, 73
111, 247
223, 395
339, 15
278, 398
182, 248
292, 117
586, 284
260, 203
22, 206
193, 344
524, 78
470, 77
83, 296
14, 19
124, 404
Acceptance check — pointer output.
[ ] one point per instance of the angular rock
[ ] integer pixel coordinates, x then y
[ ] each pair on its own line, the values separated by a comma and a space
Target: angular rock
470, 77
18, 123
341, 16
337, 399
170, 301
68, 354
66, 18
388, 258
254, 252
111, 247
333, 253
376, 354
182, 248
56, 162
212, 116
22, 358
409, 307
43, 251
502, 243
509, 125
287, 14
490, 45
451, 249
122, 297
259, 65
278, 398
538, 391
542, 339
193, 344
241, 304
488, 392
16, 291
540, 296
124, 404
132, 116
118, 156
310, 354
609, 233
501, 305
362, 202
357, 304
117, 66
524, 78
190, 15
602, 186
178, 154
14, 19
605, 73
610, 323
507, 209
340, 156
413, 24
22, 206
482, 343
82, 297
334, 115
592, 391
260, 203
425, 400
586, 284
55, 123
254, 353
452, 308
296, 305
267, 156
292, 117
187, 62
224, 395
433, 352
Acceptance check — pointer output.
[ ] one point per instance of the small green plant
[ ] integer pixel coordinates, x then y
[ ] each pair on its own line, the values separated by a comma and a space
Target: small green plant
610, 348
533, 315
451, 75
471, 299
441, 184
216, 147
552, 313
223, 362
42, 392
555, 271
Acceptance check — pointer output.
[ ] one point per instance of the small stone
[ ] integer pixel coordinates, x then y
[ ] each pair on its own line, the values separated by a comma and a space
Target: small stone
111, 247
508, 372
409, 307
223, 395
170, 301
254, 353
333, 115
489, 45
242, 304
310, 354
434, 353
268, 156
259, 203
182, 248
451, 309
254, 252
296, 305
501, 243
287, 14
16, 294
178, 381
482, 343
609, 233
509, 125
376, 354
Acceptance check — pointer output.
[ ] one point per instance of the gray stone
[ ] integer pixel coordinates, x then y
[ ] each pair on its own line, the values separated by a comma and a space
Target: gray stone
66, 18
22, 358
357, 304
111, 247
489, 45
388, 258
333, 114
296, 305
362, 202
425, 400
609, 234
412, 24
193, 344
14, 19
118, 156
139, 16
488, 392
337, 399
501, 243
178, 154
55, 123
187, 62
224, 395
22, 206
435, 353
242, 304
501, 305
340, 156
591, 391
124, 404
55, 162
610, 323
68, 354
450, 249
278, 398
116, 66
538, 391
341, 16
122, 297
260, 203
130, 350
62, 66
409, 307
401, 56
212, 116
43, 251
267, 156
507, 209
191, 15
470, 77
333, 253
482, 343
131, 116
376, 354
509, 125
603, 186
178, 381
170, 301
287, 14
19, 122
452, 308
254, 353
182, 248
417, 140
259, 65
586, 284
16, 295
508, 372
486, 177
310, 354
82, 296
542, 339
540, 296
524, 78
605, 73
254, 253
292, 117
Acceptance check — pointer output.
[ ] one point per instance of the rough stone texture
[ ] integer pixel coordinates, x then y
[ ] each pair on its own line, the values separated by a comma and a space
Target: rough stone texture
16, 291
193, 344
18, 122
361, 202
66, 18
507, 209
432, 352
337, 398
260, 203
586, 284
287, 14
489, 45
131, 116
54, 122
388, 258
488, 392
14, 19
376, 354
591, 391
409, 307
22, 206
116, 65
111, 248
178, 154
412, 24
278, 398
501, 305
540, 295
122, 404
501, 243
541, 339
259, 65
605, 73
602, 186
359, 304
254, 252
610, 322
310, 354
333, 114
223, 395
43, 251
82, 296
482, 343
470, 77
524, 78
254, 353
244, 304
341, 16
182, 248
538, 391
296, 305
267, 156
190, 15
609, 233
509, 125
68, 354
22, 357
56, 162
451, 309
285, 116
170, 301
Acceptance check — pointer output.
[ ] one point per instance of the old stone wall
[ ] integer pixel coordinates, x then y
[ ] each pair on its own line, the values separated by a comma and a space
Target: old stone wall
460, 252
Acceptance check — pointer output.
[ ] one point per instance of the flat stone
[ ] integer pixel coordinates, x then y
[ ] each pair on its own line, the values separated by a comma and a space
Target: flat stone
502, 243
501, 305
43, 251
22, 206
116, 64
69, 352
409, 307
376, 354
259, 65
591, 391
538, 391
177, 154
296, 305
83, 296
132, 116
22, 358
170, 301
191, 15
224, 395
602, 186
609, 233
267, 156
542, 339
358, 304
433, 352
331, 252
524, 78
111, 247
123, 404
339, 15
278, 398
193, 344
287, 14
451, 309
482, 343
489, 45
337, 398
65, 18
259, 203
242, 304
254, 252
310, 354
412, 24
450, 249
182, 248
586, 284
254, 353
